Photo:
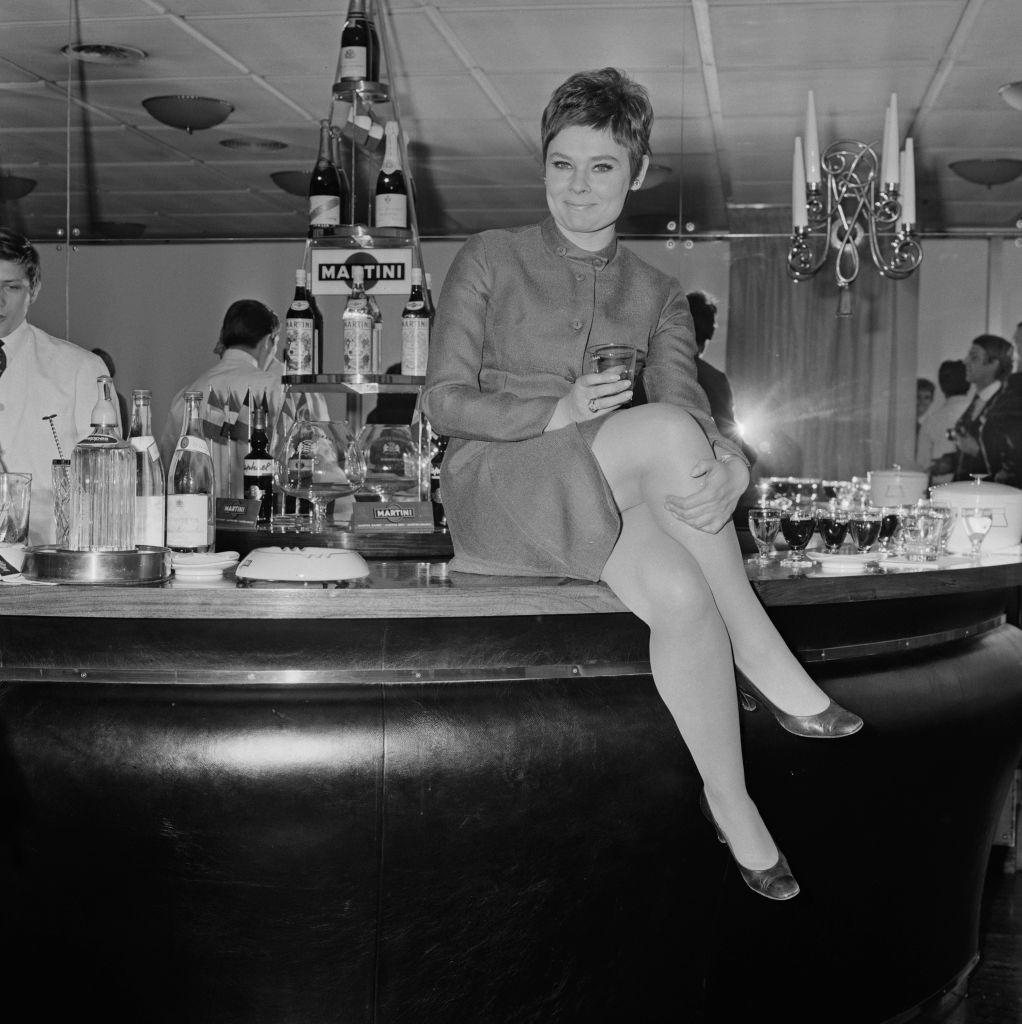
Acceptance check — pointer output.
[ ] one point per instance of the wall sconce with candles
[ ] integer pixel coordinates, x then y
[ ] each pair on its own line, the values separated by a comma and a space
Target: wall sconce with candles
851, 195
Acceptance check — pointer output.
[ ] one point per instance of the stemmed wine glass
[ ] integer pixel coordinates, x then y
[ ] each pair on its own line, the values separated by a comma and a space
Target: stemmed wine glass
889, 519
977, 522
832, 523
797, 526
764, 522
864, 528
322, 463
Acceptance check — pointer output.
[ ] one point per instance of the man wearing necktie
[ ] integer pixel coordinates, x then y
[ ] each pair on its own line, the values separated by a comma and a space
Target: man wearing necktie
989, 433
40, 376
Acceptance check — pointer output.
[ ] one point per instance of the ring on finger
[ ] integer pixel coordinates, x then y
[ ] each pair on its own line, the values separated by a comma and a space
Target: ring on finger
592, 405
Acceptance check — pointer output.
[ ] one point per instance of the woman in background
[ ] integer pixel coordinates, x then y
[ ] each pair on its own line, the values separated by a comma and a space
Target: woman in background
548, 473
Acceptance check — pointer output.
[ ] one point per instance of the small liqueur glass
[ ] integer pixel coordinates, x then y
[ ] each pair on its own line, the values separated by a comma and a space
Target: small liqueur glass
798, 524
890, 516
832, 524
977, 522
864, 528
764, 523
947, 516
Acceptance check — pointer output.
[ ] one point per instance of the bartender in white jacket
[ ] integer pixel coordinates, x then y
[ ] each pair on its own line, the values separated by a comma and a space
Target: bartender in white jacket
40, 376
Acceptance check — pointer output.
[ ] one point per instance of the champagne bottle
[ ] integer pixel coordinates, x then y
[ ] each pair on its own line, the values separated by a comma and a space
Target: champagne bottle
325, 193
358, 326
300, 331
259, 465
391, 210
360, 47
103, 482
415, 329
150, 481
190, 484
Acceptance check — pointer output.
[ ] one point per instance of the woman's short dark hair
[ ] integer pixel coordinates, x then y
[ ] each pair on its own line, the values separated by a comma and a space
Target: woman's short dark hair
996, 347
15, 248
246, 323
602, 99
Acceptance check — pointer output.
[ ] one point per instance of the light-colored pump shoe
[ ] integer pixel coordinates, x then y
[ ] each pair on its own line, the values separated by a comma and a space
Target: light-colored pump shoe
832, 722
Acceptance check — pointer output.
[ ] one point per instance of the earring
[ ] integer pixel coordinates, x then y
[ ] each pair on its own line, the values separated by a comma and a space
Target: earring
635, 185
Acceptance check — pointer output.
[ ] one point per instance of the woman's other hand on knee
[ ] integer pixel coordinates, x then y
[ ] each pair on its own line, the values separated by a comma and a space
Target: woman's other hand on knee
718, 486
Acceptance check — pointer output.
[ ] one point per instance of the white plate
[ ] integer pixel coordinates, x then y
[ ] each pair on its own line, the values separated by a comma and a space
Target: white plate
841, 563
194, 565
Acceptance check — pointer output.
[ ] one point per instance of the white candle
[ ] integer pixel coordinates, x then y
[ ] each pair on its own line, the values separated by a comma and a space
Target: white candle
812, 155
908, 185
799, 216
889, 160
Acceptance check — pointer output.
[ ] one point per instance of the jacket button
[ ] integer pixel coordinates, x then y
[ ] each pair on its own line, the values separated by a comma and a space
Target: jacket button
561, 251
580, 277
577, 324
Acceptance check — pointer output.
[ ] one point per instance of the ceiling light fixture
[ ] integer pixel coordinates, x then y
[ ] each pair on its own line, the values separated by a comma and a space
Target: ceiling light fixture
189, 113
13, 187
294, 182
987, 172
104, 53
256, 145
1011, 93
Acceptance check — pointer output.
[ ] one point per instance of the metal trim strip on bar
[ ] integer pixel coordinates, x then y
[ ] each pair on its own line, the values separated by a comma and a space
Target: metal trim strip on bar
319, 677
851, 652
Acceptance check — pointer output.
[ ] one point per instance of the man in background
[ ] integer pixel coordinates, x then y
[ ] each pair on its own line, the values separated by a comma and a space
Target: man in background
713, 381
43, 380
935, 452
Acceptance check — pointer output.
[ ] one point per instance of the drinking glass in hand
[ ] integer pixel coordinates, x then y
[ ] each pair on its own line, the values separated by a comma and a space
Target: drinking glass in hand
763, 525
797, 527
832, 523
977, 523
864, 529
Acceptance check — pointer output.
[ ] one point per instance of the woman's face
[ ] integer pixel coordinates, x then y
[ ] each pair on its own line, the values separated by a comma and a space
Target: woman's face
587, 180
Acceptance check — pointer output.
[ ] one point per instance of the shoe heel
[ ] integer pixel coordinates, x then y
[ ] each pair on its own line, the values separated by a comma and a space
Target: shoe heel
747, 701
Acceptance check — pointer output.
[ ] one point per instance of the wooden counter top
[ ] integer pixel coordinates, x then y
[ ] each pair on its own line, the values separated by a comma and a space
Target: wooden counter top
407, 589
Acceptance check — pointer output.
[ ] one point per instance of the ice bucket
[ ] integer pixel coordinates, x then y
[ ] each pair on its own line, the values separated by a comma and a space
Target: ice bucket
896, 486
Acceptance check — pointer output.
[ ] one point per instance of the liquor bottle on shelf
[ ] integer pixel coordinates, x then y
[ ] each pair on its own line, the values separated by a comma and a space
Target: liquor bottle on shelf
326, 198
300, 331
258, 465
358, 327
360, 47
150, 480
317, 331
391, 204
415, 329
103, 482
191, 487
337, 159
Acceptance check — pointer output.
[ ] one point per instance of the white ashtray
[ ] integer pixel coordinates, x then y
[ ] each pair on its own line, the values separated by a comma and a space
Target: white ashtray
197, 565
302, 565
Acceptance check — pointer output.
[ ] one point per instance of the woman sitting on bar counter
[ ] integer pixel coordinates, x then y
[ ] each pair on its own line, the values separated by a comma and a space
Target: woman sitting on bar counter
549, 473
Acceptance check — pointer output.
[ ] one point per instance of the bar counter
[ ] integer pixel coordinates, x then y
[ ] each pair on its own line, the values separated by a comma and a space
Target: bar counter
435, 797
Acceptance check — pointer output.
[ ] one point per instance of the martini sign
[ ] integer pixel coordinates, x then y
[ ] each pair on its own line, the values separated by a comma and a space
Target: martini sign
385, 271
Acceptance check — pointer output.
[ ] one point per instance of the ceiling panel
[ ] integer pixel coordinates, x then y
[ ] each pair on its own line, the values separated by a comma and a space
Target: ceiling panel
471, 78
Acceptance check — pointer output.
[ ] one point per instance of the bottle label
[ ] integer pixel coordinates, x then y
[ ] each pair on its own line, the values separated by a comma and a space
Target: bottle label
414, 345
353, 62
391, 210
188, 521
191, 443
324, 211
300, 345
149, 520
258, 467
358, 345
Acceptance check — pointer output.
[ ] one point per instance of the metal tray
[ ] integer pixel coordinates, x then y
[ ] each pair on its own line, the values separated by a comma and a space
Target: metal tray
143, 565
